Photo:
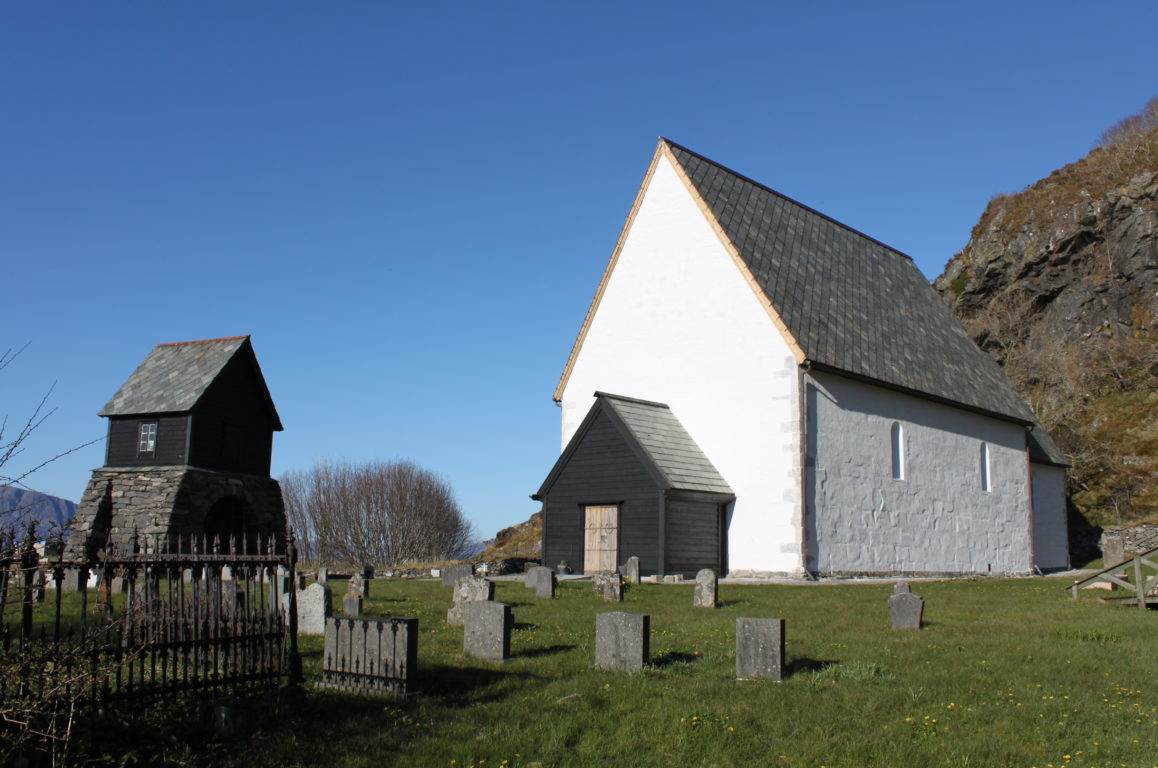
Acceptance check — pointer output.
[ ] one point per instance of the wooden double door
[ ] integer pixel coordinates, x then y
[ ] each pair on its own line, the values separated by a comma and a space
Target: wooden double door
600, 538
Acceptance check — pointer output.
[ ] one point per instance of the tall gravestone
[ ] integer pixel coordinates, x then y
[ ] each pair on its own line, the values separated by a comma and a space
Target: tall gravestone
759, 649
468, 589
487, 630
542, 580
622, 640
630, 570
707, 589
315, 604
905, 608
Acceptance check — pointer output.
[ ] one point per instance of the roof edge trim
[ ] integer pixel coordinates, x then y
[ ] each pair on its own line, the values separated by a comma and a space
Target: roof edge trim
729, 246
558, 396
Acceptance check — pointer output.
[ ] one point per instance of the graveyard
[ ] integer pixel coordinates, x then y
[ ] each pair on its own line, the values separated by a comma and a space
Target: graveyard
1001, 672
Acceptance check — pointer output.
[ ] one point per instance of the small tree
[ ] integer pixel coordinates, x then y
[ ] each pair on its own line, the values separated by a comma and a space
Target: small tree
384, 513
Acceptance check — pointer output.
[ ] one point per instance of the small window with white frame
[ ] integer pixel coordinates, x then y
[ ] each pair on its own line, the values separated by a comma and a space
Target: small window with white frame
897, 446
147, 437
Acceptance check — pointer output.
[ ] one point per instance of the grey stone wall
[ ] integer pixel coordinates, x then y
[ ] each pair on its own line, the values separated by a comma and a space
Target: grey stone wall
166, 501
1139, 538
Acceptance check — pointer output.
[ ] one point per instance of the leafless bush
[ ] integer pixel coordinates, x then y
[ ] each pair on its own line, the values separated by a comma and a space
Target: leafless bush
374, 513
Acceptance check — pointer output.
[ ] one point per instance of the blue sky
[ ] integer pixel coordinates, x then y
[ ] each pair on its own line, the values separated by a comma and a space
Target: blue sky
409, 205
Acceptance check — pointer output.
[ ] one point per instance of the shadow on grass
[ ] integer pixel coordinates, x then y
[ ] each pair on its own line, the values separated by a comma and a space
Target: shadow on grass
532, 653
668, 658
800, 666
524, 625
457, 685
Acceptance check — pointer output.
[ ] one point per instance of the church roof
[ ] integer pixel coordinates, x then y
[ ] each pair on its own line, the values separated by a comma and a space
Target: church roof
658, 438
844, 302
173, 377
849, 303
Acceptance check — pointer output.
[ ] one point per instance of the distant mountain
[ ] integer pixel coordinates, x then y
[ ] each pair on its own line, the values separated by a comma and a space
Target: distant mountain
18, 506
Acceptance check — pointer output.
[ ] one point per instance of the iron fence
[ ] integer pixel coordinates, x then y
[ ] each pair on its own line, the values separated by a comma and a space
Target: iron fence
165, 616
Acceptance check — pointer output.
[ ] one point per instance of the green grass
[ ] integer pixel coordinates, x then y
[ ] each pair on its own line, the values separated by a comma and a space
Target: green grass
1006, 673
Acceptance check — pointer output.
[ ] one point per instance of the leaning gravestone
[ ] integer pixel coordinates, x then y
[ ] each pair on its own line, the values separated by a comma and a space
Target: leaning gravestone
609, 585
542, 580
905, 608
760, 649
468, 589
487, 630
707, 589
450, 574
315, 603
622, 640
630, 570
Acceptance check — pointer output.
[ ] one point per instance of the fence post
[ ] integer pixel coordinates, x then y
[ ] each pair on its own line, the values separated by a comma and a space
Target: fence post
295, 659
1139, 581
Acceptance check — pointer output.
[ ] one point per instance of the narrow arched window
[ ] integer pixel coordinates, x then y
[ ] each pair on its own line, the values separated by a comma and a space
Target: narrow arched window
984, 467
897, 439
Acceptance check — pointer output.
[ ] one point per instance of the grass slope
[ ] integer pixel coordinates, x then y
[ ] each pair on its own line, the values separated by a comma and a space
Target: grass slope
1006, 673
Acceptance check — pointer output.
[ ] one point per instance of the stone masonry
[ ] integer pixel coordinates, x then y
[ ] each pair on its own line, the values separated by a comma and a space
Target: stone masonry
166, 502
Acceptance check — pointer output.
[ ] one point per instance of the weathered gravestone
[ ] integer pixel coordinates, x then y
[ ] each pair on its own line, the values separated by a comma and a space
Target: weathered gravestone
542, 580
369, 656
450, 574
707, 589
352, 606
905, 608
487, 630
315, 604
468, 589
630, 570
357, 586
609, 585
1113, 551
760, 649
622, 640
323, 575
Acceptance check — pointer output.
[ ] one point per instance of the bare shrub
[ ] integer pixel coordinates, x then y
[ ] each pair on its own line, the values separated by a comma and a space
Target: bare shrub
374, 513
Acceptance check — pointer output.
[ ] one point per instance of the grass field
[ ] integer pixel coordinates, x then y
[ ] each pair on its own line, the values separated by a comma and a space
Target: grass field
1006, 673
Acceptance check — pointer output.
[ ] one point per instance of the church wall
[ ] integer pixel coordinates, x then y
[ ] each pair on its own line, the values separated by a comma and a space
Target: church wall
937, 518
678, 324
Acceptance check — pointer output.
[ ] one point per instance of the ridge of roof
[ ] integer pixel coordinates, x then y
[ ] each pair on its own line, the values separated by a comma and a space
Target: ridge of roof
782, 196
200, 341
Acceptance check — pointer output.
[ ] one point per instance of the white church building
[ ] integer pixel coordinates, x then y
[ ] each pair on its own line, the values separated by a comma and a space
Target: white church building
785, 395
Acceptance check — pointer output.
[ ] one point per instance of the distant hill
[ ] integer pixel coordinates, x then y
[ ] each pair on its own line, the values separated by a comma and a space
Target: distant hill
1059, 283
18, 506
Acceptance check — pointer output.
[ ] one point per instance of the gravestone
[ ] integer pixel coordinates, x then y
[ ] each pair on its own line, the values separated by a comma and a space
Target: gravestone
468, 589
905, 608
487, 630
760, 649
450, 574
1113, 551
630, 570
301, 581
622, 640
707, 589
367, 572
563, 568
315, 604
542, 580
352, 606
323, 575
609, 585
357, 586
372, 657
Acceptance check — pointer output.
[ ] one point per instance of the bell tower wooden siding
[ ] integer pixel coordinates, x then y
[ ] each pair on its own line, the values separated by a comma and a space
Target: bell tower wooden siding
603, 470
232, 428
171, 441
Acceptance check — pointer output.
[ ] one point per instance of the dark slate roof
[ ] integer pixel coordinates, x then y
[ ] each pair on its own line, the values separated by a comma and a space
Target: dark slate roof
852, 304
669, 446
173, 377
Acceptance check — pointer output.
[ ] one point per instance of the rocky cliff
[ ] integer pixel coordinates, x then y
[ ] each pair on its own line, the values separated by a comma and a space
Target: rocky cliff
1060, 284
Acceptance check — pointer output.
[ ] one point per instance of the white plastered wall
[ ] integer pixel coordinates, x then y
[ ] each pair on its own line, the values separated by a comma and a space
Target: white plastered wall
678, 324
937, 519
1050, 531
